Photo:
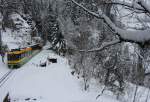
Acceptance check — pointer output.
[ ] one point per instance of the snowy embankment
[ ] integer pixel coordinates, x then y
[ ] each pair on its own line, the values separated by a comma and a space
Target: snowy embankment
3, 71
10, 40
18, 37
14, 38
53, 83
3, 68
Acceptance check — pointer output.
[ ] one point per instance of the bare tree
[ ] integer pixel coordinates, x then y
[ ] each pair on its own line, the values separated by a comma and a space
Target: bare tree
125, 35
138, 36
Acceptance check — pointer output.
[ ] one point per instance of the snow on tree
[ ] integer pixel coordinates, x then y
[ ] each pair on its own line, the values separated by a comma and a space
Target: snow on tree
135, 36
116, 34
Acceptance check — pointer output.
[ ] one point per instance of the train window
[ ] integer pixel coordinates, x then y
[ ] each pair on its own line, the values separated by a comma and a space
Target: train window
27, 54
12, 57
9, 57
18, 56
22, 55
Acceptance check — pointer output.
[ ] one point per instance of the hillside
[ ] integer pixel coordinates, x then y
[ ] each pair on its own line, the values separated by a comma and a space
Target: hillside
101, 49
51, 83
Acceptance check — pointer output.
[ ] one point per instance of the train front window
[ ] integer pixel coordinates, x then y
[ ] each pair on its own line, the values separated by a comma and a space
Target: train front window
9, 57
13, 57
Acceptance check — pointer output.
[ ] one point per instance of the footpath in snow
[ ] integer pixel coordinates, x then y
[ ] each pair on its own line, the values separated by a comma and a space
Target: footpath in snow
53, 83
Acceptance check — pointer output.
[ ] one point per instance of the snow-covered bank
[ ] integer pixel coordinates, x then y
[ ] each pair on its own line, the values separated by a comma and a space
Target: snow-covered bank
53, 83
19, 36
3, 71
32, 83
3, 68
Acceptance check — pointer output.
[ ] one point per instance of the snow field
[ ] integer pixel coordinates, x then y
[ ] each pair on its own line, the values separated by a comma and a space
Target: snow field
53, 83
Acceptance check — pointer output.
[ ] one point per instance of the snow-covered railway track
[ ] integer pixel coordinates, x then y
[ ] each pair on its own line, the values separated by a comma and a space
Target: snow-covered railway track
5, 77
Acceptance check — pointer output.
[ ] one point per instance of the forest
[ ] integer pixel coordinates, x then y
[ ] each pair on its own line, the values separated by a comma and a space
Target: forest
105, 40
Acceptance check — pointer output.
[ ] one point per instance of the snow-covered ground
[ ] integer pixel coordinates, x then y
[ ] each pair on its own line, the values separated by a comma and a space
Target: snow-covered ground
53, 83
3, 68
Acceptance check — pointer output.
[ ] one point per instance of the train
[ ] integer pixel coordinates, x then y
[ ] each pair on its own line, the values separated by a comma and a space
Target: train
18, 57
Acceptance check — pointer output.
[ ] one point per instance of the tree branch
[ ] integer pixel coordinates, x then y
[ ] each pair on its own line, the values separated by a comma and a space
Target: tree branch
135, 6
104, 45
88, 11
140, 36
144, 6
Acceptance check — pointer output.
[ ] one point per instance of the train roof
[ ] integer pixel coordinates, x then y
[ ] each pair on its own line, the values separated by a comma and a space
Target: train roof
19, 51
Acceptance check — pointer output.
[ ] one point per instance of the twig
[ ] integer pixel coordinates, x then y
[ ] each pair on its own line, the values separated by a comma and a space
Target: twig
104, 45
135, 93
101, 93
147, 95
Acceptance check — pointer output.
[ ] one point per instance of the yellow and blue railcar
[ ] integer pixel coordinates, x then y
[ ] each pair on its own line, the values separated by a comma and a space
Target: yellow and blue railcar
18, 57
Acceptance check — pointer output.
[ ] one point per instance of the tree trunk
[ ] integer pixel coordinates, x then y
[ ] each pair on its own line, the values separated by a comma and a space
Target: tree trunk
136, 88
0, 40
140, 72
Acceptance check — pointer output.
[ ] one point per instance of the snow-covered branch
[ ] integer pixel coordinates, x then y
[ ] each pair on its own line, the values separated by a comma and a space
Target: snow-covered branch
135, 6
88, 11
144, 5
4, 4
135, 36
104, 45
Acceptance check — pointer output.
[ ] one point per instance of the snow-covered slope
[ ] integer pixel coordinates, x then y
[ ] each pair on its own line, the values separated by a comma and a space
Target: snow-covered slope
3, 71
3, 68
53, 83
19, 36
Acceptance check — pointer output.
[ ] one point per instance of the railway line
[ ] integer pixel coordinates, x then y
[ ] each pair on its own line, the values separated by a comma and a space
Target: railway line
18, 57
5, 77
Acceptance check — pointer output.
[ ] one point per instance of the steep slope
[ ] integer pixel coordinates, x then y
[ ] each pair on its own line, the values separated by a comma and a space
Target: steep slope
19, 36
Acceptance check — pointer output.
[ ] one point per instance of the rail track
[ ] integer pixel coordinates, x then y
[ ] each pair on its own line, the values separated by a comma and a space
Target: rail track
5, 77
